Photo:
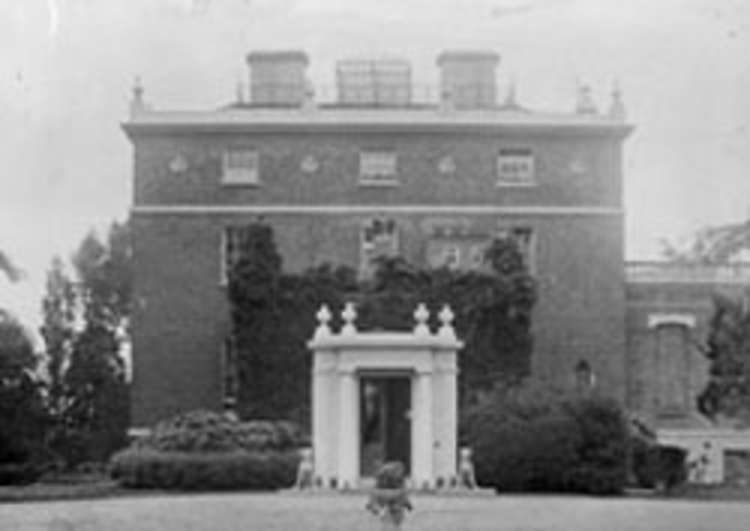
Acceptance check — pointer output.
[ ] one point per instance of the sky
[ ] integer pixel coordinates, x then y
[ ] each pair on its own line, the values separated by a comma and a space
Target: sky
67, 68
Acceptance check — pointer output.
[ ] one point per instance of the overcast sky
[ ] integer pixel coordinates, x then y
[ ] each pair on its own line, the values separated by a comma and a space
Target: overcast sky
67, 66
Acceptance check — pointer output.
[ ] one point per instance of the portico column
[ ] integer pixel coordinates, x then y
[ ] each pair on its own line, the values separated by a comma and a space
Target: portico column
422, 431
324, 415
348, 472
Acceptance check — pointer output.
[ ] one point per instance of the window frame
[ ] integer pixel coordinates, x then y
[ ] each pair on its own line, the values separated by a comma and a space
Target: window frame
240, 175
229, 373
229, 237
515, 155
451, 251
530, 253
365, 266
374, 179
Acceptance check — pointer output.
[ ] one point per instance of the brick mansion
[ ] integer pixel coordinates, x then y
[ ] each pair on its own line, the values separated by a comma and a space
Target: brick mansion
381, 167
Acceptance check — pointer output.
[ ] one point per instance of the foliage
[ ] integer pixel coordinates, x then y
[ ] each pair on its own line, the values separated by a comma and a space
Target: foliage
8, 268
273, 317
728, 349
85, 327
147, 468
656, 465
530, 438
710, 245
205, 450
22, 414
19, 473
204, 431
58, 332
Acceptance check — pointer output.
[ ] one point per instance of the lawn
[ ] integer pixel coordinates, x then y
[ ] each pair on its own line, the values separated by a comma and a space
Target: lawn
270, 512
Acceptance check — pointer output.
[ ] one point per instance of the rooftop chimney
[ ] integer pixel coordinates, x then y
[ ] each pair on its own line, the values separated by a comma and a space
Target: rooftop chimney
277, 78
467, 78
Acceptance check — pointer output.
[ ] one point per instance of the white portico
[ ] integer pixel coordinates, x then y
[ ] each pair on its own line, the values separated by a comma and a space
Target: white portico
384, 396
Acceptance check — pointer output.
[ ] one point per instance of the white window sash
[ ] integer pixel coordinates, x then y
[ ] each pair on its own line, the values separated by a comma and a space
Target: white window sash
516, 169
240, 167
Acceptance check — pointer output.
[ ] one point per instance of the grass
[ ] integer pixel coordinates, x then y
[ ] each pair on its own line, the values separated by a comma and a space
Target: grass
59, 491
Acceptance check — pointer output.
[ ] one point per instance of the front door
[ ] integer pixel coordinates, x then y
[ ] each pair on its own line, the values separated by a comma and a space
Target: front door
385, 423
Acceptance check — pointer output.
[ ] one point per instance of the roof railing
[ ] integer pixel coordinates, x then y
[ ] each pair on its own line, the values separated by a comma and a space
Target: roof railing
678, 272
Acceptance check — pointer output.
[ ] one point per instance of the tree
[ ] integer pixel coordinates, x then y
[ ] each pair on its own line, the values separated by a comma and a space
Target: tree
22, 414
85, 327
711, 245
8, 268
58, 332
728, 349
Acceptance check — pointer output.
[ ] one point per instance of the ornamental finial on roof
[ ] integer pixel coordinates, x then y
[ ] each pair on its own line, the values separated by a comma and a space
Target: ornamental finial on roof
137, 104
324, 317
421, 314
308, 98
585, 101
617, 107
349, 315
446, 317
239, 93
510, 98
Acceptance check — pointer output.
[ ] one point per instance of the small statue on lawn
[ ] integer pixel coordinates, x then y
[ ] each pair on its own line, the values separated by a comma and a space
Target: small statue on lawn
466, 477
390, 500
305, 470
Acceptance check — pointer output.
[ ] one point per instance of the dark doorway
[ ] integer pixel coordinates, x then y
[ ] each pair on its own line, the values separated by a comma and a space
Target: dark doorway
385, 423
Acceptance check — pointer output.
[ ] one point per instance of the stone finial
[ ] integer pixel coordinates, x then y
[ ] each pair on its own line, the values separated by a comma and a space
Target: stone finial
585, 101
308, 98
239, 93
421, 315
446, 317
617, 107
349, 314
324, 317
511, 103
137, 104
446, 101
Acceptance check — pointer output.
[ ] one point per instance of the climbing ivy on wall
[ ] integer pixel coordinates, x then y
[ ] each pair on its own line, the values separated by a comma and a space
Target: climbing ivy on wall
273, 316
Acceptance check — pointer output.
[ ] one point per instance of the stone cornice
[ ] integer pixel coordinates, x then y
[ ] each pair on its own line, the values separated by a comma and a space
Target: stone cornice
348, 209
371, 120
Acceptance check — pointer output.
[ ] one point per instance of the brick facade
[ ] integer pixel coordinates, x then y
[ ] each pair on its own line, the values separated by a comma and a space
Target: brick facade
181, 208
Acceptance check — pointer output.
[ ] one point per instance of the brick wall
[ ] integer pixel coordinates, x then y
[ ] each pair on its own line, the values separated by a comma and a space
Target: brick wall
652, 366
181, 315
570, 170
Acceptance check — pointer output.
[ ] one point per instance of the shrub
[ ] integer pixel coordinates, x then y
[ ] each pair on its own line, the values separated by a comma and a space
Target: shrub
19, 473
147, 468
529, 438
659, 466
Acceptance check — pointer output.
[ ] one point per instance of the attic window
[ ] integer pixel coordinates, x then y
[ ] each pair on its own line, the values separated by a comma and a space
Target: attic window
515, 167
377, 168
240, 166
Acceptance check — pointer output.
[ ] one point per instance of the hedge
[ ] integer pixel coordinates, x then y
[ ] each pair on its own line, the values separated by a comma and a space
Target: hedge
145, 468
205, 431
206, 450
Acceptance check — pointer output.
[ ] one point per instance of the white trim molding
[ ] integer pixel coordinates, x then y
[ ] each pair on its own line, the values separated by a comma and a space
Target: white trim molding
655, 320
360, 209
